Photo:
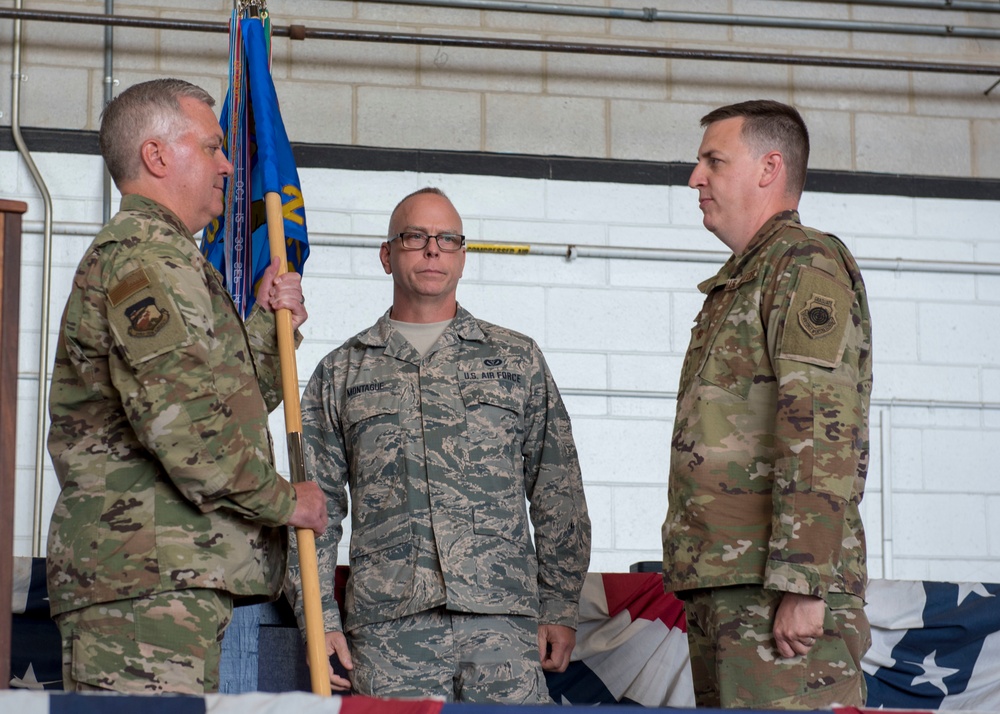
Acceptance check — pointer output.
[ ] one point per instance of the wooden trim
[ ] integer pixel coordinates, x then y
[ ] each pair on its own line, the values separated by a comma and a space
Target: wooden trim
10, 291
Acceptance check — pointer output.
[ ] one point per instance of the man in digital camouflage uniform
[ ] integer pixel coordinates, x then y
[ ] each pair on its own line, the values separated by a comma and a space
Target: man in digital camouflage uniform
441, 426
763, 537
170, 505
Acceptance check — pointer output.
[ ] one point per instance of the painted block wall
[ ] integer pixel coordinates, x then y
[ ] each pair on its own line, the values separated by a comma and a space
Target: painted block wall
615, 327
403, 95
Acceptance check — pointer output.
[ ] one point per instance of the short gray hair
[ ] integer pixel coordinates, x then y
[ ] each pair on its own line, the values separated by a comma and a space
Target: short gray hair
142, 111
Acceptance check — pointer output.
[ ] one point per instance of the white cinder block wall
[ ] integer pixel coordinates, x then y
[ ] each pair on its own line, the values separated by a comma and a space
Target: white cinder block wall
614, 330
617, 326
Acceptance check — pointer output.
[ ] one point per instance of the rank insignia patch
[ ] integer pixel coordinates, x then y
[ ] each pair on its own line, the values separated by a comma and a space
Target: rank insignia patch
146, 318
818, 317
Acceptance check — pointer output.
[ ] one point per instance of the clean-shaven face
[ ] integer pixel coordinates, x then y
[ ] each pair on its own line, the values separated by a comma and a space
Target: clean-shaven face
725, 177
197, 151
428, 273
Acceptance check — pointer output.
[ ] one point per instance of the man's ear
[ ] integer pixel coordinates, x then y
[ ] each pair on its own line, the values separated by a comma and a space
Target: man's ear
383, 255
152, 154
772, 168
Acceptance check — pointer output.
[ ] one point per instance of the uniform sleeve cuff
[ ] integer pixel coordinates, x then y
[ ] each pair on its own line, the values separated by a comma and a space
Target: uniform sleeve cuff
790, 578
559, 613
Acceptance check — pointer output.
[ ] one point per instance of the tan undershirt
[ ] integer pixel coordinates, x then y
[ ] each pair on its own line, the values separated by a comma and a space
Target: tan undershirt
422, 335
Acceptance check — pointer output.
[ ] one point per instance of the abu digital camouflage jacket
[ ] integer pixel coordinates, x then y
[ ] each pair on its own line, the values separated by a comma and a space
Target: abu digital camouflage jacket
159, 431
770, 446
440, 455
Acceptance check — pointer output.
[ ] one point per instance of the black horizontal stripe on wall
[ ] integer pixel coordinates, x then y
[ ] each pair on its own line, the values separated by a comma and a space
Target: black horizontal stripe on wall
560, 168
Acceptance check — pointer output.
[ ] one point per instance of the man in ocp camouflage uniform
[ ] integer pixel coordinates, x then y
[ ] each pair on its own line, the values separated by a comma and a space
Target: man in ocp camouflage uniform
763, 538
170, 505
442, 426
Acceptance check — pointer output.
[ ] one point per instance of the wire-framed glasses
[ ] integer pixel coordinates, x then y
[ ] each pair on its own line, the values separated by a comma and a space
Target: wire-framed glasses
417, 240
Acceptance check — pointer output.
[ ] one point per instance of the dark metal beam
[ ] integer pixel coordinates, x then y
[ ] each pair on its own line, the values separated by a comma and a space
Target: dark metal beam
298, 32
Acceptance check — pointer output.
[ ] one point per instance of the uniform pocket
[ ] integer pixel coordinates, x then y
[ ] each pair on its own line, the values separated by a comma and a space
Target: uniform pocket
148, 323
494, 435
382, 563
505, 554
736, 349
365, 406
373, 432
495, 403
494, 417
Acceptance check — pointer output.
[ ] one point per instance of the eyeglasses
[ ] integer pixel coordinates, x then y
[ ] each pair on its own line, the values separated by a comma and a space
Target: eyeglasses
417, 240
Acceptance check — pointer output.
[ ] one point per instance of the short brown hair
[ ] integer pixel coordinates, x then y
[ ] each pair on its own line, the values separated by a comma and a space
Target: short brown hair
769, 126
143, 110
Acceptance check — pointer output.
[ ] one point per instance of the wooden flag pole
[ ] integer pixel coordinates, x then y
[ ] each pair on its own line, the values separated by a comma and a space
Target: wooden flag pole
306, 539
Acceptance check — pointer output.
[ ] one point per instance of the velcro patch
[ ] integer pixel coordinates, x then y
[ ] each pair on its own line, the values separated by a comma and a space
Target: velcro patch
819, 316
144, 317
128, 286
817, 321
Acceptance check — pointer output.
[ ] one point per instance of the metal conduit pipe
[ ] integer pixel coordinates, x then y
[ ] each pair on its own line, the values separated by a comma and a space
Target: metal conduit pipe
109, 80
959, 5
369, 241
571, 252
43, 342
650, 14
645, 14
300, 32
885, 449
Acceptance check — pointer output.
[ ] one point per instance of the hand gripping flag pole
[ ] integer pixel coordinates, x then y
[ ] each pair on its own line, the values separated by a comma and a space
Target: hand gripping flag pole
264, 195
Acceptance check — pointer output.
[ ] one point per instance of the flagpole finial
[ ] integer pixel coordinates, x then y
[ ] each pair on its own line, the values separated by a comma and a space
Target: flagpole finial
251, 8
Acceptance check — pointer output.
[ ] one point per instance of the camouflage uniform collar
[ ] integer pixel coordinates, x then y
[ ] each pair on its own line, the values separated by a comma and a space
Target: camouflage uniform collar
766, 231
737, 262
464, 327
134, 202
467, 327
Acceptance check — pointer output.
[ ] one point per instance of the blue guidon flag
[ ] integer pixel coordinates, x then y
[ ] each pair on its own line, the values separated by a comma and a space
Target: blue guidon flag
236, 242
936, 645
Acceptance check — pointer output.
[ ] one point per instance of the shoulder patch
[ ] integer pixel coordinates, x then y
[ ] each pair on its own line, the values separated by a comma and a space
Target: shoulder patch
819, 316
144, 317
128, 286
817, 320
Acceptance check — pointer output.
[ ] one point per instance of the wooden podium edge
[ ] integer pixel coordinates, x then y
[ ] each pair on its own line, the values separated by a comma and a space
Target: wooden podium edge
10, 298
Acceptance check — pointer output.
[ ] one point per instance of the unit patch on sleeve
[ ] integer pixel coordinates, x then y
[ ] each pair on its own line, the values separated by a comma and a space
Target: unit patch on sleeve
819, 316
144, 317
817, 321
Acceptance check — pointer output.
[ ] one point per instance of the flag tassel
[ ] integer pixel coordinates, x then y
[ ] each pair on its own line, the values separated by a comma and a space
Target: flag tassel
305, 538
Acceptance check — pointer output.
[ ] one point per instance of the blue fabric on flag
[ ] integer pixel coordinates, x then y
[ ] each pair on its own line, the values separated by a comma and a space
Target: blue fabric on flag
935, 645
579, 684
267, 164
36, 648
73, 703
